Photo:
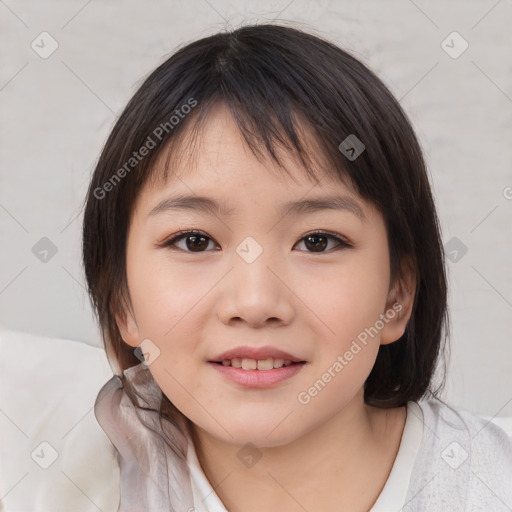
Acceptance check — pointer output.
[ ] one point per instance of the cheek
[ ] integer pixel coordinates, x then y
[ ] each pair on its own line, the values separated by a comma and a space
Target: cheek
349, 298
349, 307
162, 295
169, 304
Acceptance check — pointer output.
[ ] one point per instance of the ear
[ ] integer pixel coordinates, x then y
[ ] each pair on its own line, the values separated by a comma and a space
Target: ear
128, 328
399, 304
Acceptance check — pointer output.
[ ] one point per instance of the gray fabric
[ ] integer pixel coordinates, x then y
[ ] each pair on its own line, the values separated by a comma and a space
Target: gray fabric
154, 474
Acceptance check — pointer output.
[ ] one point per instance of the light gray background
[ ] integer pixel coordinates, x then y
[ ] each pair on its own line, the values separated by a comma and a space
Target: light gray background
57, 112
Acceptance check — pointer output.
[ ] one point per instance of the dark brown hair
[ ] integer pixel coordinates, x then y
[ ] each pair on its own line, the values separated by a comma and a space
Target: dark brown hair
273, 78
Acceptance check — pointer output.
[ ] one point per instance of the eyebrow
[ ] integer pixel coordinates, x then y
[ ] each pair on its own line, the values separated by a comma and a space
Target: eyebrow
302, 207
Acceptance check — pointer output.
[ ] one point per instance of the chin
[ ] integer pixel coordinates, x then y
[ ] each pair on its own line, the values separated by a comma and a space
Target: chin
263, 435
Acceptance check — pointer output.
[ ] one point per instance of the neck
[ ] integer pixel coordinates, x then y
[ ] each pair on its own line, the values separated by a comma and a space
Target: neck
347, 459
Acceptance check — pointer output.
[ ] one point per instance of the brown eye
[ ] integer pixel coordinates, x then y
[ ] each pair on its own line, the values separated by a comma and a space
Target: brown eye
194, 241
318, 241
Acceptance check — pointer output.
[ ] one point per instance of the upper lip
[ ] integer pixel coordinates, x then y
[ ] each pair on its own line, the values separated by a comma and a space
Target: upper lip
258, 353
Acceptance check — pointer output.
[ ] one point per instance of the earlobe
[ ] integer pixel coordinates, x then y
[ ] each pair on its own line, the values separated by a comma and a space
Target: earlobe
399, 305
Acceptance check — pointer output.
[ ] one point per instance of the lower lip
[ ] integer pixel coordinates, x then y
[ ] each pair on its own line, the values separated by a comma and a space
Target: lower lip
258, 378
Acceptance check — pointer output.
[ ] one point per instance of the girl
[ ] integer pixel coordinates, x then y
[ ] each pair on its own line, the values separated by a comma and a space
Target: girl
263, 254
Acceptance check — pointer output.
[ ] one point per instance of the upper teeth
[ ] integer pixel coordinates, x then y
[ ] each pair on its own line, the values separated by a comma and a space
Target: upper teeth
253, 364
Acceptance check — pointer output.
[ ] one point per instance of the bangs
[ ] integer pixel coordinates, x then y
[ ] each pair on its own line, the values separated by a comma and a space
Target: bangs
267, 132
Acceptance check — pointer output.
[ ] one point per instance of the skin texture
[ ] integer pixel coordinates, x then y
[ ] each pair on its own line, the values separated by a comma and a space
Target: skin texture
194, 305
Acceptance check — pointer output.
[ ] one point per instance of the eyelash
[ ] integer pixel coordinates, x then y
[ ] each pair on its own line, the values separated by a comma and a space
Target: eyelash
169, 243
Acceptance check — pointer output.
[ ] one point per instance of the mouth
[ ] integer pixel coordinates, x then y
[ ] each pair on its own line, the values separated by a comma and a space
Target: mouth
257, 364
257, 373
256, 358
257, 367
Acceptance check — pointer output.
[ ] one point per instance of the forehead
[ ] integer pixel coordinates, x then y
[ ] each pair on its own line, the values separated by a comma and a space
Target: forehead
214, 158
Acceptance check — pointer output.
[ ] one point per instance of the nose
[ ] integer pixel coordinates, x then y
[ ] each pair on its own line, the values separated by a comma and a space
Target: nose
256, 292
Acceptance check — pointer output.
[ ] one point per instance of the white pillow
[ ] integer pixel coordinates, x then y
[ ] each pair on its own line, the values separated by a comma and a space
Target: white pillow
47, 391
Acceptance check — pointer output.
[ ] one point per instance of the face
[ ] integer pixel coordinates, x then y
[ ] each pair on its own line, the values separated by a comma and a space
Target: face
261, 280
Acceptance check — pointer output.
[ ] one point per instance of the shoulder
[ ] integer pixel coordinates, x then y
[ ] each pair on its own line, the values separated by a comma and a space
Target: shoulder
449, 424
464, 461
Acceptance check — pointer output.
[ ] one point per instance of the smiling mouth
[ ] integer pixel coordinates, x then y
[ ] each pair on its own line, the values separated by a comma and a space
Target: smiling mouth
257, 364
